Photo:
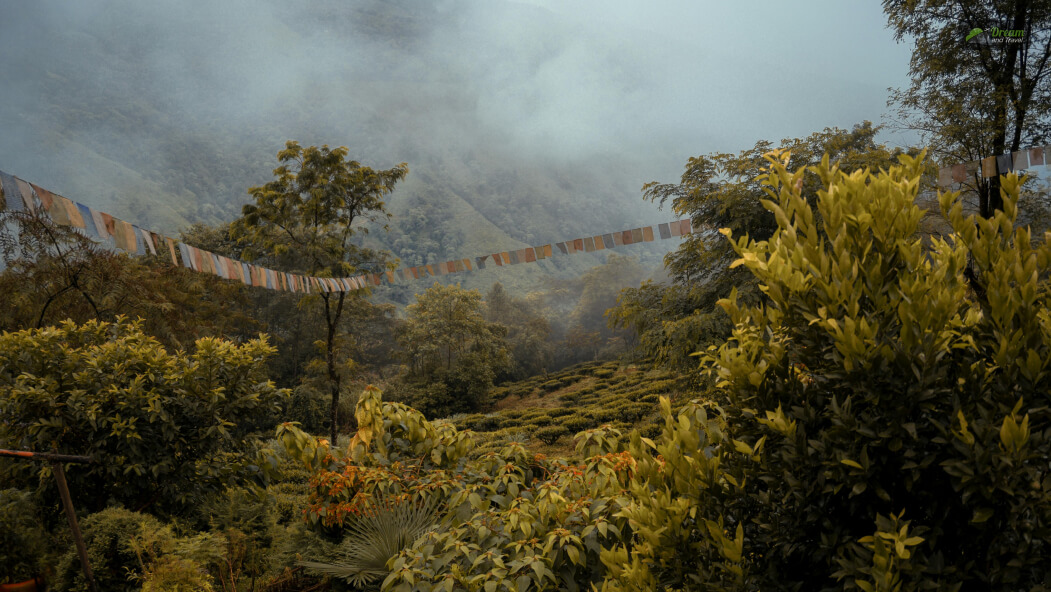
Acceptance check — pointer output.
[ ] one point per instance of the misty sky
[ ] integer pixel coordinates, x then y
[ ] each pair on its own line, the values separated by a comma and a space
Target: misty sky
649, 83
725, 74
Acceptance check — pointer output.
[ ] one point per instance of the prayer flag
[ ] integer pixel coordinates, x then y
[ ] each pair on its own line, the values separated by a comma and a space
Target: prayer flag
1003, 164
944, 176
430, 270
627, 237
539, 252
607, 241
12, 194
54, 207
390, 277
562, 247
663, 230
647, 234
74, 213
589, 244
636, 235
45, 198
109, 223
467, 264
1047, 154
506, 256
1036, 158
184, 251
146, 238
685, 225
514, 257
89, 220
547, 250
1021, 160
988, 167
529, 255
27, 195
618, 239
599, 245
959, 173
578, 244
480, 261
171, 249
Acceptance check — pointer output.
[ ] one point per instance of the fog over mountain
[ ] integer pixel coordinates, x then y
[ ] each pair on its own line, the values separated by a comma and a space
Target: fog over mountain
522, 122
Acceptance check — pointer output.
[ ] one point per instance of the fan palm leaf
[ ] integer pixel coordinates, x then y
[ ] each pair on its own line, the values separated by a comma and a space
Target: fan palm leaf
386, 526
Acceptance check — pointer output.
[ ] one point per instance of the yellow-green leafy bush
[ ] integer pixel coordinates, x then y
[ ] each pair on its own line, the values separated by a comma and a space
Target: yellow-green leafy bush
891, 404
165, 428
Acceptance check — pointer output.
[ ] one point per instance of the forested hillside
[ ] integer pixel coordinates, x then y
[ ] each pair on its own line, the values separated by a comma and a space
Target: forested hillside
88, 115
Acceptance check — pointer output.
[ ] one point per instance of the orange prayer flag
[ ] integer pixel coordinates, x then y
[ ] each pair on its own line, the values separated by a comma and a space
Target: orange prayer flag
48, 202
989, 167
647, 234
171, 248
547, 250
75, 218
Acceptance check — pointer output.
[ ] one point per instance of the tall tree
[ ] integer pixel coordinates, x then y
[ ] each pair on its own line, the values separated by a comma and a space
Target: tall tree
306, 219
979, 97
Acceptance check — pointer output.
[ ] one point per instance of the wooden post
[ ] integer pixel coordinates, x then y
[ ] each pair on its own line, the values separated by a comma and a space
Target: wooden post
56, 461
63, 490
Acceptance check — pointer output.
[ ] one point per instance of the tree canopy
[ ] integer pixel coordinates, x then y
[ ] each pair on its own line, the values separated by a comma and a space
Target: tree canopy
970, 99
306, 219
452, 350
722, 190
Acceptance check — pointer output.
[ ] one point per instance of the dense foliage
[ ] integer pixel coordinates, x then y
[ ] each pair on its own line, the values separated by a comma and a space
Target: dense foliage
164, 428
877, 424
898, 418
453, 353
723, 191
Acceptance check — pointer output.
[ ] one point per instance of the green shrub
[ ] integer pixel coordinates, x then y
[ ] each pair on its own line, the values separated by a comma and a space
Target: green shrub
23, 541
165, 429
634, 411
897, 398
109, 536
539, 419
570, 398
559, 412
578, 423
551, 385
310, 408
604, 373
551, 434
487, 423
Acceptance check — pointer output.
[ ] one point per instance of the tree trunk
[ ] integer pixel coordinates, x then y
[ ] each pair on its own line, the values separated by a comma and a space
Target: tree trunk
332, 320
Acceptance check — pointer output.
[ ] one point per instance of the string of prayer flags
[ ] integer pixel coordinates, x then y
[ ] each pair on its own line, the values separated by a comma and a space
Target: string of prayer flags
19, 196
991, 166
